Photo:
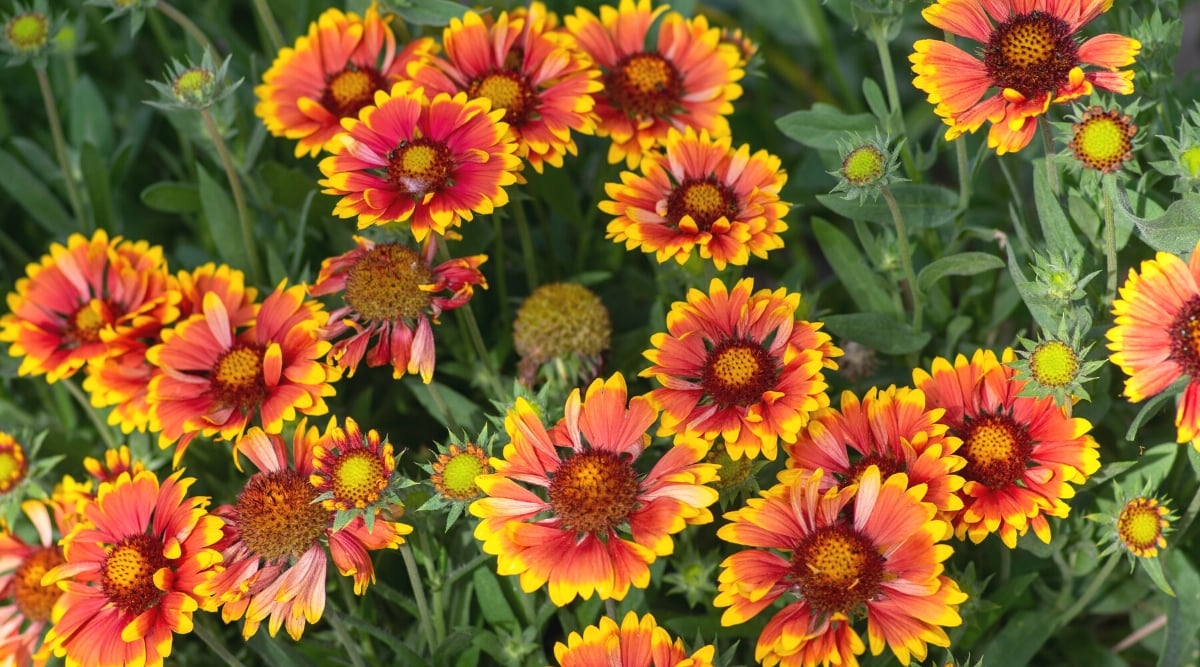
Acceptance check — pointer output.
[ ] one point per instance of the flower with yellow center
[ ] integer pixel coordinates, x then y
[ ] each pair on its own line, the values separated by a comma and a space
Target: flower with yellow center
561, 321
13, 466
566, 506
1141, 526
455, 472
871, 548
1103, 140
352, 469
28, 32
1053, 363
634, 643
863, 165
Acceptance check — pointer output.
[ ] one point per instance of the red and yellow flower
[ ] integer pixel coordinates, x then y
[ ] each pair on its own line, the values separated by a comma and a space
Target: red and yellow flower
84, 301
700, 194
274, 539
219, 373
27, 614
330, 74
635, 643
891, 429
131, 572
736, 364
686, 77
1030, 53
351, 469
544, 86
1023, 453
872, 548
566, 507
14, 465
1156, 336
394, 294
430, 162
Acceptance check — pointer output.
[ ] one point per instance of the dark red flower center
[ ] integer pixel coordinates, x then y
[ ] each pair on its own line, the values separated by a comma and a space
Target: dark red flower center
837, 569
1185, 338
738, 371
996, 448
237, 378
594, 491
704, 200
1031, 53
644, 85
508, 90
85, 324
420, 166
351, 89
276, 516
127, 576
385, 283
34, 600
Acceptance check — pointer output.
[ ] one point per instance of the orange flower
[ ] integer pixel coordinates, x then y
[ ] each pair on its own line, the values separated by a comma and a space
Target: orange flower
738, 365
220, 372
84, 302
274, 561
870, 549
14, 466
331, 74
544, 87
686, 77
432, 163
351, 470
567, 506
1030, 53
131, 573
1022, 453
890, 429
1156, 336
635, 643
393, 293
700, 193
30, 604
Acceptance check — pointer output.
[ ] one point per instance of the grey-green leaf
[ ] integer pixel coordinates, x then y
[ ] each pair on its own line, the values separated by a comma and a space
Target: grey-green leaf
921, 206
962, 264
822, 126
878, 332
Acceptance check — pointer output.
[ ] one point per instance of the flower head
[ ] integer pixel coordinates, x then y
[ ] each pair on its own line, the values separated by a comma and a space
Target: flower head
1102, 141
1023, 454
867, 166
194, 86
13, 464
29, 604
871, 548
701, 195
430, 162
1056, 367
132, 571
274, 536
116, 461
331, 73
634, 643
29, 33
1184, 164
1030, 53
393, 293
738, 365
1141, 526
352, 469
455, 472
1155, 339
561, 321
686, 77
566, 506
543, 84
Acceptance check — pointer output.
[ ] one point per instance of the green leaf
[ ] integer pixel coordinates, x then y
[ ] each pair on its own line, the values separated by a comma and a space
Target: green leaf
822, 125
1056, 228
1037, 303
492, 602
1152, 406
172, 197
33, 196
1020, 638
921, 205
222, 220
1153, 569
450, 408
429, 12
88, 117
878, 332
962, 264
875, 101
863, 284
95, 178
1175, 231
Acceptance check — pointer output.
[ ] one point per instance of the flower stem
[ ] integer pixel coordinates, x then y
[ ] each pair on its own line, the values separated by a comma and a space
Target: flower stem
1110, 249
467, 316
239, 197
879, 34
188, 26
531, 272
1091, 591
105, 432
414, 575
268, 21
964, 175
1051, 168
499, 261
214, 643
905, 256
440, 402
343, 637
60, 145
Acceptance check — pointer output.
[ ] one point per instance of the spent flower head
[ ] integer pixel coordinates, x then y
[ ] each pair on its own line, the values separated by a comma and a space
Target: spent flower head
868, 165
193, 86
1184, 164
29, 33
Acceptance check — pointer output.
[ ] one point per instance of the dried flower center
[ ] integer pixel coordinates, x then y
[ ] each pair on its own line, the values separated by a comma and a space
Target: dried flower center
351, 89
458, 474
385, 284
507, 90
704, 201
644, 84
887, 466
1103, 140
420, 167
127, 576
1053, 364
1140, 526
276, 515
1031, 53
997, 450
737, 372
34, 600
1185, 338
837, 569
359, 477
12, 466
194, 84
87, 322
238, 377
594, 491
863, 165
29, 31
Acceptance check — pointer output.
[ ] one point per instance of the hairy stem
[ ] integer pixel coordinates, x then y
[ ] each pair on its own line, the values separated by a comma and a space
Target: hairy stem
905, 256
239, 196
60, 146
188, 26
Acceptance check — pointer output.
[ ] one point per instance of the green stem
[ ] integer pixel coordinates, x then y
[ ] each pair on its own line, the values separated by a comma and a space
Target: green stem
1110, 249
214, 643
342, 634
414, 575
440, 402
905, 256
188, 26
268, 21
1051, 167
239, 197
467, 316
879, 35
964, 175
531, 260
1091, 591
439, 620
464, 570
105, 432
60, 146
